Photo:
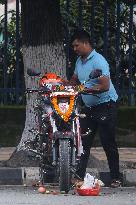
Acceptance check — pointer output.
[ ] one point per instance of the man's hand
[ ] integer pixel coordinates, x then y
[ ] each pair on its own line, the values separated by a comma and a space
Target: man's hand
88, 90
96, 89
66, 82
74, 80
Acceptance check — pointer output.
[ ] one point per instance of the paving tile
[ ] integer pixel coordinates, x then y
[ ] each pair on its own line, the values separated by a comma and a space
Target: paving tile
126, 154
6, 152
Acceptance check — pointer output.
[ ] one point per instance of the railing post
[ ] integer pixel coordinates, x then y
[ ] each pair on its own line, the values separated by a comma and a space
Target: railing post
92, 19
5, 66
118, 45
80, 21
67, 38
130, 51
105, 33
17, 51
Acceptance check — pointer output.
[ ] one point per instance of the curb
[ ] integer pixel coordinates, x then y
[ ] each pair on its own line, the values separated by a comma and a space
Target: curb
129, 177
29, 176
11, 176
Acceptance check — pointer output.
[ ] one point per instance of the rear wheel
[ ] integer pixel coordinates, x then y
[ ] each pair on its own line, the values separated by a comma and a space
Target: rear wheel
64, 162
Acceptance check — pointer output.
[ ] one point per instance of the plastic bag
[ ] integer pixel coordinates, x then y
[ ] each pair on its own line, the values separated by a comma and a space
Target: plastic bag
99, 182
89, 181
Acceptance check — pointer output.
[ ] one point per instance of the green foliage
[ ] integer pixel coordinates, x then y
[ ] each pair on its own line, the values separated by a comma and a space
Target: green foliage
125, 119
70, 14
2, 1
11, 47
118, 65
11, 56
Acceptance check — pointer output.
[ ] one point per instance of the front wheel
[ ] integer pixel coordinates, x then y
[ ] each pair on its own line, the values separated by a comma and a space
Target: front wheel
64, 162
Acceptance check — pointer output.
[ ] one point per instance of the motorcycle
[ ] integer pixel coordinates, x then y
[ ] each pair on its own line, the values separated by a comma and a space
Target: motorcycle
58, 140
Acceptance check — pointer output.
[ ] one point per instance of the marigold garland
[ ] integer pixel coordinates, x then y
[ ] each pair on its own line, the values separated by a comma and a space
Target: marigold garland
66, 115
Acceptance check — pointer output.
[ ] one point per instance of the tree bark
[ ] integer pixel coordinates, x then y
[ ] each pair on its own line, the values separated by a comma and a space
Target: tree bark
52, 60
43, 49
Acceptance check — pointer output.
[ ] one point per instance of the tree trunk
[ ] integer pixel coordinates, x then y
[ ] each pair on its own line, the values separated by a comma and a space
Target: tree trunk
42, 49
52, 60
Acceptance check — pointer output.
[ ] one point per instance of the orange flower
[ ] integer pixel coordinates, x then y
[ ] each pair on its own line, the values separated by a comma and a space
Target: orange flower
65, 116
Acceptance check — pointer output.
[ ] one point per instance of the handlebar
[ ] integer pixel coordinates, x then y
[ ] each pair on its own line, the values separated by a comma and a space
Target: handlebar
29, 90
44, 90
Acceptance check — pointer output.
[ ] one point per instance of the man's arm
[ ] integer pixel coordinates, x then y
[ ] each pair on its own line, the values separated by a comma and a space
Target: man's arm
102, 86
73, 81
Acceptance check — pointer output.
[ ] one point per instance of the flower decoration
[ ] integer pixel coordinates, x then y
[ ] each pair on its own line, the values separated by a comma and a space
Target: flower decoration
65, 116
80, 87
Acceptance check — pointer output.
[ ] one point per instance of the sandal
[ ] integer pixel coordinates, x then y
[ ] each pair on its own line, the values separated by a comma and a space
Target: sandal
115, 183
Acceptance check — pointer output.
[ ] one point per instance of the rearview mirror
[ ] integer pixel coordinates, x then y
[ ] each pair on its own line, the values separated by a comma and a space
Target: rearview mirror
33, 72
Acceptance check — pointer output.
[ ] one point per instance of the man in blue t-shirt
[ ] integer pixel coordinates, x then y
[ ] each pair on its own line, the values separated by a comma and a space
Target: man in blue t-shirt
92, 70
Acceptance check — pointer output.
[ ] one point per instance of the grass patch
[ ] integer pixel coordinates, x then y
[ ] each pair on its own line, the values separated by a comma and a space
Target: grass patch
12, 120
127, 118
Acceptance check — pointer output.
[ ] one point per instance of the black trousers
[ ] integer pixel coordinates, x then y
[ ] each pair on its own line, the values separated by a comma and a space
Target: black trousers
102, 118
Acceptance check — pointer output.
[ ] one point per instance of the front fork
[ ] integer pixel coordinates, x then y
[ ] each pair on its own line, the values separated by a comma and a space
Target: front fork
78, 142
55, 154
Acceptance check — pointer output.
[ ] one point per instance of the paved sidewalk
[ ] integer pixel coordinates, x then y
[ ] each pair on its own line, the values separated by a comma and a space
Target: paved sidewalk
125, 154
28, 175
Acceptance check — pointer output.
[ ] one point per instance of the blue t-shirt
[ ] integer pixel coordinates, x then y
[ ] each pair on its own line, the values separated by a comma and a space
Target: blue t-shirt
83, 69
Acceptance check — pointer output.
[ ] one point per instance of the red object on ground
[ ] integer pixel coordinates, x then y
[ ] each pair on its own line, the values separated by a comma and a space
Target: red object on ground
42, 189
89, 192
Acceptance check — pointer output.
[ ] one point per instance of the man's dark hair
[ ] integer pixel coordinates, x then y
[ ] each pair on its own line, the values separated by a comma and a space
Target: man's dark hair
82, 36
